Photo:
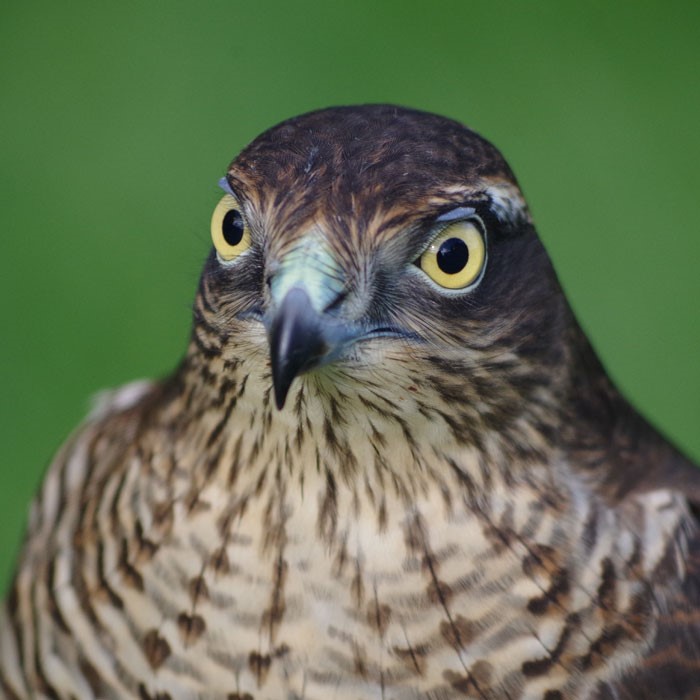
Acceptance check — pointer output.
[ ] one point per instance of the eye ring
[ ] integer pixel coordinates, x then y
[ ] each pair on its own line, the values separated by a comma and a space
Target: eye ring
456, 257
229, 230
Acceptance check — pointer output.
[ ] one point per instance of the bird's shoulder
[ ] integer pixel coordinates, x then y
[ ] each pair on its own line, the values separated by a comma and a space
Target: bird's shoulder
114, 400
671, 666
96, 445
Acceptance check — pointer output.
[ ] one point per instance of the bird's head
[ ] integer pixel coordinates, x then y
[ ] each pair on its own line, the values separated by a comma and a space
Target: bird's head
386, 256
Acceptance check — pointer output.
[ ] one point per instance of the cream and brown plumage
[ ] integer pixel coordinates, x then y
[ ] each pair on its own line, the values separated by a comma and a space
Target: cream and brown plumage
389, 467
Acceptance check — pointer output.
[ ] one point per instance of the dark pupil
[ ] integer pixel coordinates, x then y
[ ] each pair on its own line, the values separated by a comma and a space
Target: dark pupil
452, 256
232, 227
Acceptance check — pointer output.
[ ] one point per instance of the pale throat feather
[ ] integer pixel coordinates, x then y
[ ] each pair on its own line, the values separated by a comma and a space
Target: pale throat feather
337, 509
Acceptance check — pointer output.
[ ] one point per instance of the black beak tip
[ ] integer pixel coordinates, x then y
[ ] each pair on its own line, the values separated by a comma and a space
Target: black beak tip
280, 386
296, 342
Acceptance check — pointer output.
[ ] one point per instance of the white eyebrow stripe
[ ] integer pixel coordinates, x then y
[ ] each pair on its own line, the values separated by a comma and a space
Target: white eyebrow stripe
507, 202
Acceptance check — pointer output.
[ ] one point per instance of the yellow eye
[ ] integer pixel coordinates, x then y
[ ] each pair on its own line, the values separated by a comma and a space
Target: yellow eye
455, 259
229, 230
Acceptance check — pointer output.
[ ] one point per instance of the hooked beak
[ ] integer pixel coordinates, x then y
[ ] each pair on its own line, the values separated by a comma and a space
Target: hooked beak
298, 341
306, 326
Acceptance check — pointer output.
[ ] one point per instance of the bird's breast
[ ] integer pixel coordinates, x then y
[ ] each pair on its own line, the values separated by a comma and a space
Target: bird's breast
298, 588
260, 565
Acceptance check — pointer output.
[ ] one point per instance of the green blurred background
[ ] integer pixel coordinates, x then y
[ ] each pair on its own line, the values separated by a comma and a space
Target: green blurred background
117, 119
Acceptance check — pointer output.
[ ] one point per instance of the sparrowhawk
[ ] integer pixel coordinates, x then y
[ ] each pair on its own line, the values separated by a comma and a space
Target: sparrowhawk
389, 466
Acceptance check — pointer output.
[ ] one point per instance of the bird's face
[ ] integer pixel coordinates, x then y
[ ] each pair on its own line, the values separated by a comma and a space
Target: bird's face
377, 251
